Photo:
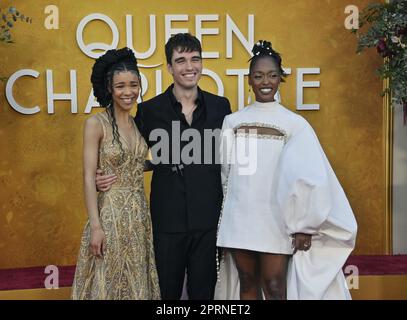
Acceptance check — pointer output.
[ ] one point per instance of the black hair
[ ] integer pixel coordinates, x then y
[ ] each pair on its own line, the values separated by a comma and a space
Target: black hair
103, 71
261, 49
184, 42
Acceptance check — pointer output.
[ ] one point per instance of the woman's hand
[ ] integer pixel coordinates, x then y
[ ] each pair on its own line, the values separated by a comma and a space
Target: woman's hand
97, 238
104, 182
301, 241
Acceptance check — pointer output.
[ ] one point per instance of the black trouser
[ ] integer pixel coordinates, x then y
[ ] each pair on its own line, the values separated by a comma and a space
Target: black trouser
194, 251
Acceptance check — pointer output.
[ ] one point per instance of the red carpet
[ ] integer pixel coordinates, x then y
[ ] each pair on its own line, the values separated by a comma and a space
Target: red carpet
379, 265
32, 278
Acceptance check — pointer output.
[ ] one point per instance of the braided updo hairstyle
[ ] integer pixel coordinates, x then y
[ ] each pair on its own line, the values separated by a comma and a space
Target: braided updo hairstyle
261, 49
103, 71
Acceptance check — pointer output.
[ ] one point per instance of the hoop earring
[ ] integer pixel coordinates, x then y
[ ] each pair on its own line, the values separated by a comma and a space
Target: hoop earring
249, 98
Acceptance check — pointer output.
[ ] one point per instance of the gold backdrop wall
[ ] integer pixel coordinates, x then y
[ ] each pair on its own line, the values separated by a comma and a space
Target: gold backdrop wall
42, 211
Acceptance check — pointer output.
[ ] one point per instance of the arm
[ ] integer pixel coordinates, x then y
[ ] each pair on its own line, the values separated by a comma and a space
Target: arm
228, 110
148, 166
91, 137
104, 182
302, 190
139, 119
301, 242
226, 148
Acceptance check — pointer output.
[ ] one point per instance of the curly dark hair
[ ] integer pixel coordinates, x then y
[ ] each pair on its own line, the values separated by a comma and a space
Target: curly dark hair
103, 71
183, 41
261, 49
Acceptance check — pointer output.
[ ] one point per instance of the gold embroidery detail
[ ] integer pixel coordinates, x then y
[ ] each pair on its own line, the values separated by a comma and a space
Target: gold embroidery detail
127, 269
253, 125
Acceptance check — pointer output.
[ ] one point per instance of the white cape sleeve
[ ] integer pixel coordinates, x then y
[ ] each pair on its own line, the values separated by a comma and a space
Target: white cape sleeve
227, 285
311, 200
227, 137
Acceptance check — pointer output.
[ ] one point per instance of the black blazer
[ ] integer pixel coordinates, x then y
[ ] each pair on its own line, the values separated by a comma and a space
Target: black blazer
190, 199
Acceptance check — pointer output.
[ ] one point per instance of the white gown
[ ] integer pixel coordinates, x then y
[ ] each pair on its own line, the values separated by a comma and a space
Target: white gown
278, 185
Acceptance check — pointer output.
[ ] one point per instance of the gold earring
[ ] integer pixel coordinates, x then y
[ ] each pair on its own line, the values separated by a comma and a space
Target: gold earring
249, 98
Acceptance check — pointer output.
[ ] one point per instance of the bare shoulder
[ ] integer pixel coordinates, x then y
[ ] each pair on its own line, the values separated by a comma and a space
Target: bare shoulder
94, 124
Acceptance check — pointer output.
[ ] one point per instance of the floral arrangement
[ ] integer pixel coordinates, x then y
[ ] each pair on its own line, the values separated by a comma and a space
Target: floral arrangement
387, 32
8, 17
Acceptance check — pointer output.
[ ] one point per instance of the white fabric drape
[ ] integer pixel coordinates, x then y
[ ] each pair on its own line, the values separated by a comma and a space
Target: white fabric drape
308, 197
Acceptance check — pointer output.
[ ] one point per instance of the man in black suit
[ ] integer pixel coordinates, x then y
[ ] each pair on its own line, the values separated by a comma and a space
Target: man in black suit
186, 197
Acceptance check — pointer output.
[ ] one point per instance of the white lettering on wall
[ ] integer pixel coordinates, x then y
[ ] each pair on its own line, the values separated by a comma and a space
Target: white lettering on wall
231, 28
199, 32
52, 96
169, 30
234, 34
301, 84
217, 79
9, 91
153, 38
89, 49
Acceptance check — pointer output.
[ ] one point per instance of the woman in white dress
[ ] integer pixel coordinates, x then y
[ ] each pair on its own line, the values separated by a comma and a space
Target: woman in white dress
286, 224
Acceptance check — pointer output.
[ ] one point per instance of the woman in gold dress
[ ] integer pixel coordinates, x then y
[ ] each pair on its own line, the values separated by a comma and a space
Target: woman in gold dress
116, 258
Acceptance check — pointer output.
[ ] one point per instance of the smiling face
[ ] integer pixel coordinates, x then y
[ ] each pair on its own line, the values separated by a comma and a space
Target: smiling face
125, 89
186, 68
264, 79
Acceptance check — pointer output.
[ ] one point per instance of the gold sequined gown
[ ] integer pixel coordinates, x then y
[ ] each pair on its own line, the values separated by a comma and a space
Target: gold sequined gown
127, 269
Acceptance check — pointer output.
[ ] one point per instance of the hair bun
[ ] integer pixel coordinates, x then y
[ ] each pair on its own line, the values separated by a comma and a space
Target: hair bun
102, 66
262, 47
114, 56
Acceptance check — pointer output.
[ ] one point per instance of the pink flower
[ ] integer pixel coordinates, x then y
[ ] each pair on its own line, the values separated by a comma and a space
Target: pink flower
401, 32
382, 48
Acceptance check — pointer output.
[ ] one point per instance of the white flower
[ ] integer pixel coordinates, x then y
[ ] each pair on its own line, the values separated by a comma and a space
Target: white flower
395, 39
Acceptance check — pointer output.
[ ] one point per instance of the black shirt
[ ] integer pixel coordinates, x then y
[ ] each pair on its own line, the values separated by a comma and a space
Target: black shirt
191, 199
197, 116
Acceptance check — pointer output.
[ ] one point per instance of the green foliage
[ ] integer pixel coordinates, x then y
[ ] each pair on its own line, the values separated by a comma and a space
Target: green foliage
387, 32
8, 17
